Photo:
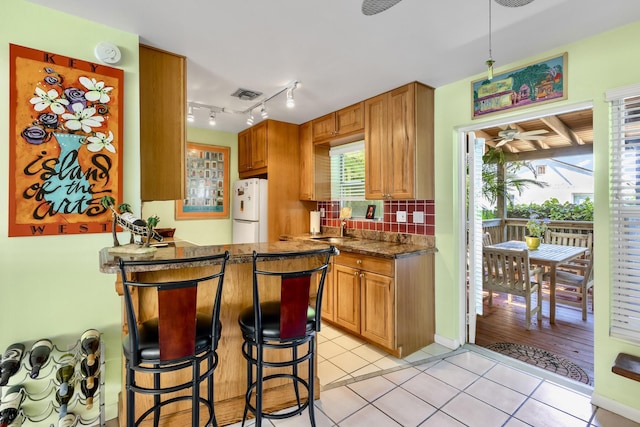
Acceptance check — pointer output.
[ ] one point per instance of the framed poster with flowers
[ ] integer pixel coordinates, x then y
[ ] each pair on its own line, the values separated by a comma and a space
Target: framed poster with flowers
65, 143
207, 182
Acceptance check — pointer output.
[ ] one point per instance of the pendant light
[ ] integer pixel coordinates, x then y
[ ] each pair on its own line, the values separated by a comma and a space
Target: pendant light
490, 61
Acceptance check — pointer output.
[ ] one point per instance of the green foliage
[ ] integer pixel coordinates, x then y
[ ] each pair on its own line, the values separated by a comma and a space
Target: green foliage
107, 201
537, 226
153, 221
554, 210
125, 207
493, 187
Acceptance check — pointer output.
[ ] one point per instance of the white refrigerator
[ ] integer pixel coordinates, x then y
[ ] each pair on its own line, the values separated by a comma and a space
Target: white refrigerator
249, 201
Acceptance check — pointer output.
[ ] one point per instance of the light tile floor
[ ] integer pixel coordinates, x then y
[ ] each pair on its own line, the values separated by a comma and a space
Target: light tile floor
434, 387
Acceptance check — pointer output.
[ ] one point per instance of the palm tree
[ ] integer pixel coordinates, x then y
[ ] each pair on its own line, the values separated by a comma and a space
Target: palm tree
495, 185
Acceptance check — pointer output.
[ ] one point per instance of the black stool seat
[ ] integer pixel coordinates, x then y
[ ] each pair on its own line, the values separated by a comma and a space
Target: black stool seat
149, 342
286, 325
270, 320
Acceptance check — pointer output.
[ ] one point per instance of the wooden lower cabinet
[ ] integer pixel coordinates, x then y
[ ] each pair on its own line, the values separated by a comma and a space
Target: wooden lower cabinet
347, 297
387, 302
377, 309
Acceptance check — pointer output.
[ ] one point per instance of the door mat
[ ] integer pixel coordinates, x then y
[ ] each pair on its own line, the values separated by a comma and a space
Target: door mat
542, 359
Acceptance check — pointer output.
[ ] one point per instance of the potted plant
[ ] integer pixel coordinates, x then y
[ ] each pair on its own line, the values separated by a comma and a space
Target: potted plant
536, 228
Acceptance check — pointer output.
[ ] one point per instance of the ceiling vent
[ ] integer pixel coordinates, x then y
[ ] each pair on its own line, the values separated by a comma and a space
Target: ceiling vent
246, 94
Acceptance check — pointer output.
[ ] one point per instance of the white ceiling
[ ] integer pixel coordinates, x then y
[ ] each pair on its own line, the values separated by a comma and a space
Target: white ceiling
339, 55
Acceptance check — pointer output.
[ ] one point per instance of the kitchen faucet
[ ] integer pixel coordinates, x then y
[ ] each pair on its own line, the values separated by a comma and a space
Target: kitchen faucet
343, 227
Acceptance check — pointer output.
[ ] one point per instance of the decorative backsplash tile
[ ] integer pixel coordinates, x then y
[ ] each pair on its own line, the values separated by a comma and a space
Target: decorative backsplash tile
387, 221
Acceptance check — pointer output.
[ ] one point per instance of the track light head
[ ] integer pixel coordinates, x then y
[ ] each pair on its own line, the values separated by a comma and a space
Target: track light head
290, 101
250, 119
212, 118
263, 112
190, 117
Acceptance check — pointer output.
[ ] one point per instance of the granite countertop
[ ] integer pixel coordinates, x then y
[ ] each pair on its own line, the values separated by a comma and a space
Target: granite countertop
239, 253
387, 247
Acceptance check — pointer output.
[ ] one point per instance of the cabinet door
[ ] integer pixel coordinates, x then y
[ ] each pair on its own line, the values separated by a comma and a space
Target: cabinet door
328, 297
259, 145
347, 297
350, 119
400, 148
162, 124
377, 323
375, 140
324, 127
307, 163
244, 151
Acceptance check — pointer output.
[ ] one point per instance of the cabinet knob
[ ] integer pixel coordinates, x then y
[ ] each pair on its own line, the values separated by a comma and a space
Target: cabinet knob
355, 273
359, 262
361, 275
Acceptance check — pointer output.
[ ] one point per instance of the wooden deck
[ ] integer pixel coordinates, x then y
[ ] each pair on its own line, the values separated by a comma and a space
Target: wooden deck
570, 337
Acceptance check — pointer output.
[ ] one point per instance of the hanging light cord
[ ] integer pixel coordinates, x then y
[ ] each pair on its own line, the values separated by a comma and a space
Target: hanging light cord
489, 62
490, 55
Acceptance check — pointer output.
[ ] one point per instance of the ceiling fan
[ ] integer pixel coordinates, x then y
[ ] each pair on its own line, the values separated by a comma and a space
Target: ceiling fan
510, 134
372, 7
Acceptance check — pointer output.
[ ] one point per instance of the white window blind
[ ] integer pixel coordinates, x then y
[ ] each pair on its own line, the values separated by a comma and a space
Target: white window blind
347, 171
625, 213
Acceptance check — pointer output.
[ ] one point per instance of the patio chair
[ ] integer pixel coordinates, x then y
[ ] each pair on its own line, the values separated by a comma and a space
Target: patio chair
583, 240
486, 239
574, 287
508, 271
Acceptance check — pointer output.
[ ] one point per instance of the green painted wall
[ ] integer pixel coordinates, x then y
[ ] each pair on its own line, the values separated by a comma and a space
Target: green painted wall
51, 286
202, 232
595, 65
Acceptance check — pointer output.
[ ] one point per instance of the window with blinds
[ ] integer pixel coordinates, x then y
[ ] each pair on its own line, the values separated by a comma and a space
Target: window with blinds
347, 178
347, 171
625, 212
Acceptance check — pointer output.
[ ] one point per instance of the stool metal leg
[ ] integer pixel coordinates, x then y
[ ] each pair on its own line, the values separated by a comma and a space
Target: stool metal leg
156, 399
131, 407
311, 394
195, 399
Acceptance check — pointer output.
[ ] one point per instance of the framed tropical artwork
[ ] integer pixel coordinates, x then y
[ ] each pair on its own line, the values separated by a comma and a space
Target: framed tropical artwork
65, 143
534, 84
207, 182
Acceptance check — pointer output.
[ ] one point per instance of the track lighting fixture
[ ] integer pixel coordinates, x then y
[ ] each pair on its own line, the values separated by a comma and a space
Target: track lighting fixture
261, 104
290, 101
490, 61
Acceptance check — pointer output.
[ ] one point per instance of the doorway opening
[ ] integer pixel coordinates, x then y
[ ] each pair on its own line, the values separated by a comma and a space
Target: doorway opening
566, 131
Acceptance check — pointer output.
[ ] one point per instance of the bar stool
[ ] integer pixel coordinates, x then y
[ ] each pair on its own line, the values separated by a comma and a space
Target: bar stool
177, 338
285, 323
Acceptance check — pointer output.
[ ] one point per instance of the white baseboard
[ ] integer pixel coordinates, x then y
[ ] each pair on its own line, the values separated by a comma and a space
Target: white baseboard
450, 344
615, 407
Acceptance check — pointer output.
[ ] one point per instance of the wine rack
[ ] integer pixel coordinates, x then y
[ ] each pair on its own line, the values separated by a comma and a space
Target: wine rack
40, 408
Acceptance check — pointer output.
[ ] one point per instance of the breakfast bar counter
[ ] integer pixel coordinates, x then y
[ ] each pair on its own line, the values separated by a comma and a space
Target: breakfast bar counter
230, 375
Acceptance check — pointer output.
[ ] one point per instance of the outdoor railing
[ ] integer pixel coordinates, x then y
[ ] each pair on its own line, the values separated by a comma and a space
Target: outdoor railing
502, 230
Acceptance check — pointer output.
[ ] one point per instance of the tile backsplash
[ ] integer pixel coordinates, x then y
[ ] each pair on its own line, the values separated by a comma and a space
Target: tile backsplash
387, 222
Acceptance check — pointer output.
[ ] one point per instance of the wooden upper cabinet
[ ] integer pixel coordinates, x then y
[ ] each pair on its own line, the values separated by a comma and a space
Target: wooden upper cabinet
259, 146
244, 150
315, 167
162, 124
253, 150
344, 122
399, 144
307, 169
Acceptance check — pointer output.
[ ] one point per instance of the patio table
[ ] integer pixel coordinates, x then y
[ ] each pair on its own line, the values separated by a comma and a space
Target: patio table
547, 255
